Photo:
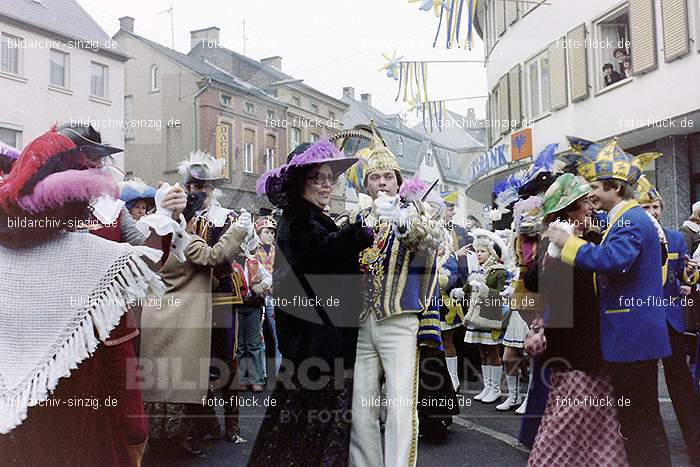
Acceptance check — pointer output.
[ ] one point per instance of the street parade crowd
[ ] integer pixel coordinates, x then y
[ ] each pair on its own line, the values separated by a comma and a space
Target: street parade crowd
134, 314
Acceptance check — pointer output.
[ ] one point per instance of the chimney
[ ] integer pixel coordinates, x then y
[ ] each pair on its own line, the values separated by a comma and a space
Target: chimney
471, 115
366, 98
126, 23
210, 36
275, 62
349, 92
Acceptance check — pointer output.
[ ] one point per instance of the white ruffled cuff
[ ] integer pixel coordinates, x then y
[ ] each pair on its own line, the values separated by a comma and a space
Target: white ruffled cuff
165, 225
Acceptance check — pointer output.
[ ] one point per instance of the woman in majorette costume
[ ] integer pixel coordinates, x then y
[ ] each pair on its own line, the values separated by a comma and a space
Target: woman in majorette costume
485, 317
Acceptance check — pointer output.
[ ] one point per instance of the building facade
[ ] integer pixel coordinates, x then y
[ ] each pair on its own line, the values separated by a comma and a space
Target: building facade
546, 79
176, 104
56, 66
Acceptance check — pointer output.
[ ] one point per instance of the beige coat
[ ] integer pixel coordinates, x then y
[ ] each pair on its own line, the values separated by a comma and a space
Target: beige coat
176, 331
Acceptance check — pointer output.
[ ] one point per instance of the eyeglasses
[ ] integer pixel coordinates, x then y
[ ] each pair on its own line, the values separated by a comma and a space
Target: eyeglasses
321, 179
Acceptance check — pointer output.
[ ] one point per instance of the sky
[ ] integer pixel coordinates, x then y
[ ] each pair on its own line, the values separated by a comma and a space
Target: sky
327, 43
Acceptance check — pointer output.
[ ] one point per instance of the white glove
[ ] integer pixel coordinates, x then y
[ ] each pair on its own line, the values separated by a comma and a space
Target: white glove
457, 294
388, 209
245, 222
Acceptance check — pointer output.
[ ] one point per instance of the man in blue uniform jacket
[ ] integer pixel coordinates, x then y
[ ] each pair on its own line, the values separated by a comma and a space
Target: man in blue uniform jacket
628, 280
680, 275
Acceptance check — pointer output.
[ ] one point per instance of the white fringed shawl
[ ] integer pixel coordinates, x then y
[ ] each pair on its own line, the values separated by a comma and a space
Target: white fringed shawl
58, 299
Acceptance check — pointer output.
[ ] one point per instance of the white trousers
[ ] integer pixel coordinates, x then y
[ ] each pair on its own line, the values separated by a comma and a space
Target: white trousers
386, 348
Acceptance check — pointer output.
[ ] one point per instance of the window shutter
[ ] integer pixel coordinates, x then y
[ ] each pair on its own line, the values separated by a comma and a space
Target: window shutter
642, 36
557, 75
578, 63
503, 113
674, 17
500, 17
515, 103
489, 120
511, 12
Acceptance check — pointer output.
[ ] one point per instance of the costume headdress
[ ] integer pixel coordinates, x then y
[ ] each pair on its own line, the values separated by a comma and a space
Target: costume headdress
506, 193
605, 161
450, 197
274, 183
646, 192
52, 172
527, 215
414, 189
265, 222
135, 190
542, 172
8, 156
491, 241
202, 167
564, 192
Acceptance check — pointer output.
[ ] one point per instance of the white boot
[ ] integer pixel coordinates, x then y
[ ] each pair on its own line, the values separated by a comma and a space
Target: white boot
486, 377
521, 410
512, 399
454, 372
495, 393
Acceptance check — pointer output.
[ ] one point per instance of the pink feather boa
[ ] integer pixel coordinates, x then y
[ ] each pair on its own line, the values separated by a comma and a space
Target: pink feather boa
69, 186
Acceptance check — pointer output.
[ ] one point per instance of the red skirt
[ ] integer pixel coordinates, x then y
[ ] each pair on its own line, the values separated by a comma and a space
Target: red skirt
580, 424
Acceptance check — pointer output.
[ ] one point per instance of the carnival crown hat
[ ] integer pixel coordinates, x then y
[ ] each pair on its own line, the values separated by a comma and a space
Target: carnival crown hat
53, 171
450, 198
605, 161
564, 192
274, 183
646, 192
377, 157
134, 190
201, 166
265, 222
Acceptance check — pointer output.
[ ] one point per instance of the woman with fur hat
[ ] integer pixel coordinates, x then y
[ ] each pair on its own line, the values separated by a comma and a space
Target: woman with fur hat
483, 292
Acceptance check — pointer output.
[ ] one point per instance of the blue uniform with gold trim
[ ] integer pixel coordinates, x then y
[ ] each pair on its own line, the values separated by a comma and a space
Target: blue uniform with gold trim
629, 283
677, 251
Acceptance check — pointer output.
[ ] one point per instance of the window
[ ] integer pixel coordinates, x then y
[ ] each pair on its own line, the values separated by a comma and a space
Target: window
296, 101
270, 114
248, 158
490, 24
294, 138
249, 108
314, 108
154, 78
613, 34
400, 151
9, 54
314, 137
128, 117
11, 137
249, 149
98, 80
537, 84
331, 115
429, 157
58, 68
448, 162
270, 145
225, 100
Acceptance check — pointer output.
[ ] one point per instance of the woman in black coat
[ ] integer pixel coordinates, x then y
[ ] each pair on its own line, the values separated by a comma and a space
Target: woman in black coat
317, 304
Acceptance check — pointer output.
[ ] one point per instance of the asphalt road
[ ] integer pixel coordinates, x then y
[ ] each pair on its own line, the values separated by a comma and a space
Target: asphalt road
479, 436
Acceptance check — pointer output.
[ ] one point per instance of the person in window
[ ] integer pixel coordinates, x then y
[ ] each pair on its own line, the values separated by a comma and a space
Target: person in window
627, 66
621, 56
610, 75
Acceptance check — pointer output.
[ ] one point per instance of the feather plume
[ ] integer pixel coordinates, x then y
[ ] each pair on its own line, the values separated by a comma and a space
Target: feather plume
60, 188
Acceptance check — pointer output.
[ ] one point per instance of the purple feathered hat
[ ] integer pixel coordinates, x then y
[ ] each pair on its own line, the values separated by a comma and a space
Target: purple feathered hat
273, 183
8, 156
